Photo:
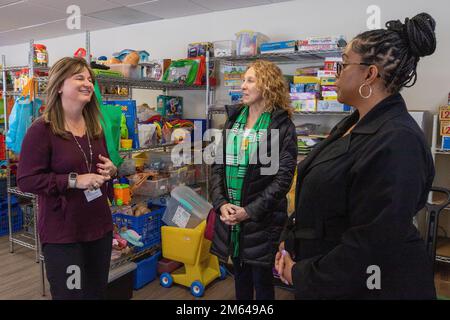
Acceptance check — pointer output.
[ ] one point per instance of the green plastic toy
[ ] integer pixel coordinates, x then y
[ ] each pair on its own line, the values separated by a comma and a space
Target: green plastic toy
123, 127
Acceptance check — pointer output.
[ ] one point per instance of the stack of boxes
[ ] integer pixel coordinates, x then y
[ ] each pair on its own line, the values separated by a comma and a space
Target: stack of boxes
444, 118
314, 90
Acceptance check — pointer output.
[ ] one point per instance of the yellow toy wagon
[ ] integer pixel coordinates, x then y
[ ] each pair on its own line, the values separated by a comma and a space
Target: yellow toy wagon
189, 247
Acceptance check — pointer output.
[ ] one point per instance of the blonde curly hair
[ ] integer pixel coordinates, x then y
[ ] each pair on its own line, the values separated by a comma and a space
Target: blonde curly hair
272, 85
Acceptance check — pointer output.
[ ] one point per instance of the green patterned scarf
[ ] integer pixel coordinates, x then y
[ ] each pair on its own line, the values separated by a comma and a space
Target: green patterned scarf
240, 147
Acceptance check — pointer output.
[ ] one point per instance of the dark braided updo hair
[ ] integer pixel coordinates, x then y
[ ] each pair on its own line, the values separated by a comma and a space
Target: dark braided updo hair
397, 49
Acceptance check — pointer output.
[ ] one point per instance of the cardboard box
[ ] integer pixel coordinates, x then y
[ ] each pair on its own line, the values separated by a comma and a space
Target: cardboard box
446, 142
330, 106
328, 81
445, 128
305, 79
304, 105
170, 106
326, 73
444, 113
303, 96
281, 46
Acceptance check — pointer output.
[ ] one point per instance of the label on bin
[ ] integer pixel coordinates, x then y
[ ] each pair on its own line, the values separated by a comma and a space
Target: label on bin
181, 217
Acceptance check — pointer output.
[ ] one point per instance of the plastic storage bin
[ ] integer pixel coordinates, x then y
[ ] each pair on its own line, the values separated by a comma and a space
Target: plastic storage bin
146, 268
176, 176
153, 188
128, 167
120, 282
225, 48
190, 176
16, 213
147, 225
186, 208
127, 70
248, 42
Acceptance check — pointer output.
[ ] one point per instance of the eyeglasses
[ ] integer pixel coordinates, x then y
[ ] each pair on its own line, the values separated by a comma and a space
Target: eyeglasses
340, 66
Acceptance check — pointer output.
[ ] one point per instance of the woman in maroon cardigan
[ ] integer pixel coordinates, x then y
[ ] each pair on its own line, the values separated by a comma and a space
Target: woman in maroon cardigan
64, 161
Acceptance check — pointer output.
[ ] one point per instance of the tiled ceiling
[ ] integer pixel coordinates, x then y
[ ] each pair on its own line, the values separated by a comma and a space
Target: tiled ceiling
23, 20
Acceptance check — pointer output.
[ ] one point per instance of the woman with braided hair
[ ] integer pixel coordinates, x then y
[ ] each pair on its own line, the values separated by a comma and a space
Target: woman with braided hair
352, 234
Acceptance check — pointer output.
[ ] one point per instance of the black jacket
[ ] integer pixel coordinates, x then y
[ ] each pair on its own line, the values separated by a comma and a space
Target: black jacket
264, 196
356, 197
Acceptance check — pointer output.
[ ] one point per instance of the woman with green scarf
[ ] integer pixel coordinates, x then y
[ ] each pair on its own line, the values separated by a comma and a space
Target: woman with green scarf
249, 192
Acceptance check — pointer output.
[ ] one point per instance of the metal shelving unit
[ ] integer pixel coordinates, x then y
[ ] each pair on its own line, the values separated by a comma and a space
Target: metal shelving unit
146, 84
22, 238
147, 149
281, 58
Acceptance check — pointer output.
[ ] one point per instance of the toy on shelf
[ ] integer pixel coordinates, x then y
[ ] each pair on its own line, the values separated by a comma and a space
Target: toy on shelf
170, 107
248, 42
186, 71
81, 53
132, 56
122, 194
224, 48
189, 247
154, 69
199, 49
279, 47
40, 55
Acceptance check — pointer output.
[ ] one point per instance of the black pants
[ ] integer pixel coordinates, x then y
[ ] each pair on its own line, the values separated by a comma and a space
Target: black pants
250, 277
79, 270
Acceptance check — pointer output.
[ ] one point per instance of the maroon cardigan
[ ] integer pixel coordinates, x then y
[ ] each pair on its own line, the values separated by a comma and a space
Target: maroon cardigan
64, 214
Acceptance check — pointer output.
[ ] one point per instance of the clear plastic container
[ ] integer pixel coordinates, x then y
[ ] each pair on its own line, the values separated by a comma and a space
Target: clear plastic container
164, 161
224, 48
127, 70
128, 167
186, 208
176, 176
190, 176
153, 188
248, 42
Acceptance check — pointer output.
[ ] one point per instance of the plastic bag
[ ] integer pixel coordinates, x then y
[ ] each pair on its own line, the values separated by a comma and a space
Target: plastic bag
20, 120
110, 122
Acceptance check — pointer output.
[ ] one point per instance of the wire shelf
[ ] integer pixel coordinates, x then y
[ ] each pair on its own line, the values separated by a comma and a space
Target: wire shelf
18, 68
17, 192
146, 84
160, 146
287, 57
442, 151
124, 260
443, 259
323, 113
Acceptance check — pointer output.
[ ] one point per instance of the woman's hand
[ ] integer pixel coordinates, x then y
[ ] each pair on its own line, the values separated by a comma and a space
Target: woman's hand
239, 214
90, 181
107, 168
226, 213
284, 264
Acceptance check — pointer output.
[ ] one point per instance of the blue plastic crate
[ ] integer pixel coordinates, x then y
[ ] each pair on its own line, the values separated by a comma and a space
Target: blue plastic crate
147, 225
16, 213
146, 270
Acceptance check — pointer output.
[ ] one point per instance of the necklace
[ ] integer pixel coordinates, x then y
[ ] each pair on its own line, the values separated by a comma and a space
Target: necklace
88, 164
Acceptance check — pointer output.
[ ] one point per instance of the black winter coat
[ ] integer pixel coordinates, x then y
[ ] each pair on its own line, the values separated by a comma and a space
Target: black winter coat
356, 197
264, 196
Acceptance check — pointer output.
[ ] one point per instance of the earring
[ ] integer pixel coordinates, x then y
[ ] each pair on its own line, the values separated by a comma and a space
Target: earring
360, 91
